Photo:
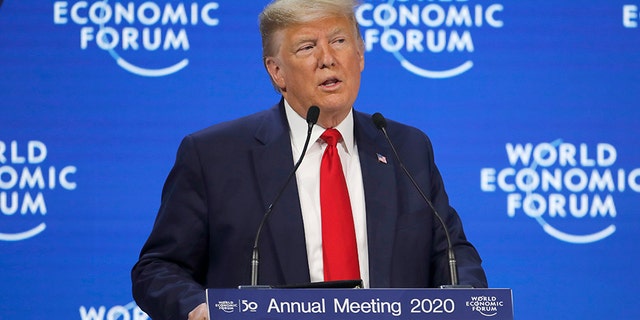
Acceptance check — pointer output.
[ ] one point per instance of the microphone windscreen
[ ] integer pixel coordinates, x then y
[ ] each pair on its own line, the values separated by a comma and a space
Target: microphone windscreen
379, 120
312, 115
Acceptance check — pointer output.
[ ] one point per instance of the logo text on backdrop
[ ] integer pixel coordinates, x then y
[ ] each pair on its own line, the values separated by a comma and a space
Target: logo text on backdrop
24, 179
134, 31
431, 39
569, 189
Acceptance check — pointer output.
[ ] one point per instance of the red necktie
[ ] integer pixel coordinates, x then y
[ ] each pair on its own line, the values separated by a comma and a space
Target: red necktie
339, 250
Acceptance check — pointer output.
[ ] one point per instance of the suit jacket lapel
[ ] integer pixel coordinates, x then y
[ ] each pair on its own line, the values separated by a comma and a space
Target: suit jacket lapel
380, 197
273, 161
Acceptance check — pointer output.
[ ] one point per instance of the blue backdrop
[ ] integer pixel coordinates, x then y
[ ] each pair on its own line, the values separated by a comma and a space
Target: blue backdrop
532, 107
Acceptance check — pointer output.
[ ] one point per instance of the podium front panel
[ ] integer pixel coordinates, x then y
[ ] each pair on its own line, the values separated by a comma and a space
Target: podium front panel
371, 304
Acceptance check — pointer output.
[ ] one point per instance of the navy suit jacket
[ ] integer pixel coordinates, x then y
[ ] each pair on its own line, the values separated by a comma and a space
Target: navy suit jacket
223, 180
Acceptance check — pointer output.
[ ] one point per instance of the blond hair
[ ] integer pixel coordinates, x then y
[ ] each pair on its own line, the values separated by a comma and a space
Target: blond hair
281, 14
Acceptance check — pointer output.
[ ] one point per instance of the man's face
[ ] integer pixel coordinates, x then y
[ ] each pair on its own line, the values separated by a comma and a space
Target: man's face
319, 63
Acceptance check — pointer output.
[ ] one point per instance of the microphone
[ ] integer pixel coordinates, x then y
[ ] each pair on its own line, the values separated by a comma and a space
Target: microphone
381, 123
312, 117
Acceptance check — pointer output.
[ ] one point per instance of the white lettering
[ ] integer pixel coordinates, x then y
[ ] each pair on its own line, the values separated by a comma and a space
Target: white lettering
551, 180
206, 18
59, 12
155, 13
601, 181
34, 206
502, 180
103, 36
607, 154
174, 15
29, 204
439, 18
176, 42
535, 205
630, 16
26, 178
13, 177
128, 13
598, 206
118, 313
86, 35
633, 180
584, 157
74, 13
459, 18
15, 157
574, 180
36, 151
581, 183
371, 306
92, 314
514, 201
8, 207
64, 181
519, 152
129, 38
114, 313
527, 180
146, 39
414, 40
556, 205
491, 20
431, 15
35, 178
100, 13
487, 179
108, 38
147, 13
545, 154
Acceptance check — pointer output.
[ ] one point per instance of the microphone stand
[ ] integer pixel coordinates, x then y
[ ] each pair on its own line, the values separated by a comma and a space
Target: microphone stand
381, 123
312, 118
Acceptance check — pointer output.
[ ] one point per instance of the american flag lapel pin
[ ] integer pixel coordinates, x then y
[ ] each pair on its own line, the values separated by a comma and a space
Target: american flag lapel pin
381, 158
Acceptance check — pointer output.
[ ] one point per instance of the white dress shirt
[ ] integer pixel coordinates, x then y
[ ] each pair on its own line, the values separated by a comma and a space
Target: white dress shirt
308, 180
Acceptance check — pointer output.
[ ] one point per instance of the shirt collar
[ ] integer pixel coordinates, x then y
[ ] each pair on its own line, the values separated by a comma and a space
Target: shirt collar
298, 126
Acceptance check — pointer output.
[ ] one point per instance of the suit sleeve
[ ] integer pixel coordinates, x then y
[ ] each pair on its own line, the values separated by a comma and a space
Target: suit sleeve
167, 280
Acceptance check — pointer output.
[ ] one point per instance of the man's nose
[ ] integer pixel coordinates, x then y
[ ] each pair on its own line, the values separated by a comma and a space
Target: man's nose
326, 57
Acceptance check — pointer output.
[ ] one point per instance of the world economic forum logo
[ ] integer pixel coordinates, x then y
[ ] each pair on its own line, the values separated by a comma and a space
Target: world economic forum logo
133, 31
568, 189
487, 306
25, 178
125, 312
430, 38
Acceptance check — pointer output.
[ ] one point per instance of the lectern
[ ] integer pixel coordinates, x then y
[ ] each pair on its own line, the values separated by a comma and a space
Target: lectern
370, 304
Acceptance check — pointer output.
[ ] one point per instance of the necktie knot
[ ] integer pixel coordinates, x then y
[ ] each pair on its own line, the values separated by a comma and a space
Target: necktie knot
331, 136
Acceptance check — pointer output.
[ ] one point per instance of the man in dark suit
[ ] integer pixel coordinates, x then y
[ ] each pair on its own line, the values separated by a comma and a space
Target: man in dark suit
225, 176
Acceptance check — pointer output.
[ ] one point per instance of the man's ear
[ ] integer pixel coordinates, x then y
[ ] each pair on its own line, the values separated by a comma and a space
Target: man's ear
275, 72
361, 53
